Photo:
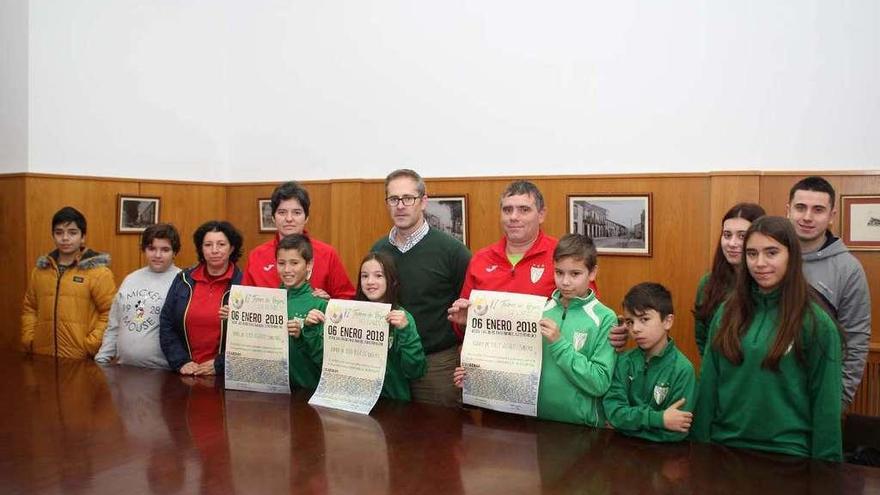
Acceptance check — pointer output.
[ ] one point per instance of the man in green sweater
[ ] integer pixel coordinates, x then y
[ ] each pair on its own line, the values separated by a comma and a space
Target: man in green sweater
431, 265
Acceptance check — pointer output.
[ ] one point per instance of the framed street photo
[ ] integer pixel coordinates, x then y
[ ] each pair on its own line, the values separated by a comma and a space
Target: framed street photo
449, 214
619, 224
860, 222
267, 221
135, 213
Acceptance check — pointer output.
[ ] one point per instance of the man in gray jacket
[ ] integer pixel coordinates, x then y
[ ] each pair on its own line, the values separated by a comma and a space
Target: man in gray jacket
834, 273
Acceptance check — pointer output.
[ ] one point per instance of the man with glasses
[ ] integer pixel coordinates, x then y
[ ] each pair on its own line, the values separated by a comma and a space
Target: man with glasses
290, 208
431, 265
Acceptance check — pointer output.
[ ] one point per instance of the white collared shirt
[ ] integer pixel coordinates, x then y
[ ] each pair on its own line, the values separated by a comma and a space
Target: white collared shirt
411, 240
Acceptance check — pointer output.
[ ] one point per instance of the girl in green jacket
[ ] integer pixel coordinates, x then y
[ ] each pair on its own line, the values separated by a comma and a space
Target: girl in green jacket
378, 282
715, 285
771, 376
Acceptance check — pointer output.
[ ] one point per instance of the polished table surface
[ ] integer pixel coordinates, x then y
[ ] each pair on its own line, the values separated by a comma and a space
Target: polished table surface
75, 427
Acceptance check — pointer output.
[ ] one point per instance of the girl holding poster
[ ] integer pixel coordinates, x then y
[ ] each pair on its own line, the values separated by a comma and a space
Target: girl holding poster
378, 282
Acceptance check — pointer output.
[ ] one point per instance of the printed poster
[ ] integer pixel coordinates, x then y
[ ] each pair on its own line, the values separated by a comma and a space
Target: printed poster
502, 351
256, 340
355, 355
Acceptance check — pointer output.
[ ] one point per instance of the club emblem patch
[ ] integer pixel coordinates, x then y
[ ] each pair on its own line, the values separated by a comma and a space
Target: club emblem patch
537, 271
580, 338
661, 390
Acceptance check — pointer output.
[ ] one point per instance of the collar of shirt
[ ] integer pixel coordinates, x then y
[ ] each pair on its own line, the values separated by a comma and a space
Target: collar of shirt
410, 240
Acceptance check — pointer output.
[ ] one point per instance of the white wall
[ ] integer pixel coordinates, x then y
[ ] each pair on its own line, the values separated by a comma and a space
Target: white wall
13, 85
272, 90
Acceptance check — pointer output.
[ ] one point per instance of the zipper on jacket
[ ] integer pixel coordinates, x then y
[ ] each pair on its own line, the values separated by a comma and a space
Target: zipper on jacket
185, 311
55, 312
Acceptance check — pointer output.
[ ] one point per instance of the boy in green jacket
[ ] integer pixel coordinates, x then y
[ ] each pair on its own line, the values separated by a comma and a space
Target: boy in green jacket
578, 360
652, 394
293, 259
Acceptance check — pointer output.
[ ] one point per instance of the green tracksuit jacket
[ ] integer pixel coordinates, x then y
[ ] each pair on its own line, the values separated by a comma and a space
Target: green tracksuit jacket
406, 360
576, 370
795, 410
641, 390
701, 327
306, 352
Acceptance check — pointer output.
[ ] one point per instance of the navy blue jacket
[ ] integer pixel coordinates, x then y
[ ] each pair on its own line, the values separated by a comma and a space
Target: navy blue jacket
172, 327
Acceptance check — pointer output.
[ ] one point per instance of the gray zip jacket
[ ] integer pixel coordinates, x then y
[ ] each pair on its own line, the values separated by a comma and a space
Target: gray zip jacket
839, 277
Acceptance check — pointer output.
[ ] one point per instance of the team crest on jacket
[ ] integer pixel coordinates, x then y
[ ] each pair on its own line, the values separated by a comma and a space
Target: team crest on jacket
537, 271
661, 390
579, 339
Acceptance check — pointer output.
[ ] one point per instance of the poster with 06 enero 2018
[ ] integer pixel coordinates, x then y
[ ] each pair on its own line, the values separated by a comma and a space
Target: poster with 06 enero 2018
355, 355
502, 351
256, 340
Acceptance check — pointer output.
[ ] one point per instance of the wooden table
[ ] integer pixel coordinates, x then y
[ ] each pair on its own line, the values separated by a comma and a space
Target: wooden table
75, 427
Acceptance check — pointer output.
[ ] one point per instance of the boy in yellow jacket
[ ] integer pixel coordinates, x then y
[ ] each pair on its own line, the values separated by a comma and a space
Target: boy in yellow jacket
69, 294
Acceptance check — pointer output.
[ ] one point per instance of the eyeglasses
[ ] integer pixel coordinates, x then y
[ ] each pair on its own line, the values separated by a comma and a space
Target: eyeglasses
406, 200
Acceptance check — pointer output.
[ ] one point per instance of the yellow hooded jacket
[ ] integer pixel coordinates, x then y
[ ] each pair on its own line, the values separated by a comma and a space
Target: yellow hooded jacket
65, 314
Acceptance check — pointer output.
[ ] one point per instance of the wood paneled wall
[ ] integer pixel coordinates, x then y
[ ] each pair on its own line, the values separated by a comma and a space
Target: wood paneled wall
350, 215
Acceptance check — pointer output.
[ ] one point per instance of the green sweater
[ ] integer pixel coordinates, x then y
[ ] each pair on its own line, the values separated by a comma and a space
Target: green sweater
795, 410
431, 275
306, 352
576, 369
406, 360
642, 390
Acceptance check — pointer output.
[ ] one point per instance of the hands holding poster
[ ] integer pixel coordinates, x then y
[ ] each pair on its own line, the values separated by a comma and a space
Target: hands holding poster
355, 355
502, 351
256, 340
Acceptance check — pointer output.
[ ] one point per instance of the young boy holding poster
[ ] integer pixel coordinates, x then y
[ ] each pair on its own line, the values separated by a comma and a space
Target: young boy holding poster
378, 282
652, 392
577, 359
293, 259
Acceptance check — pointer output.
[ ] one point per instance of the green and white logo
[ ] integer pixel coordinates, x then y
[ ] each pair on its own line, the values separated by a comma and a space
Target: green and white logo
661, 390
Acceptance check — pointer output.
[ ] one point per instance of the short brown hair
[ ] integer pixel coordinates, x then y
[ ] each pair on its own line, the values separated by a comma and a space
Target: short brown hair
161, 231
412, 174
576, 246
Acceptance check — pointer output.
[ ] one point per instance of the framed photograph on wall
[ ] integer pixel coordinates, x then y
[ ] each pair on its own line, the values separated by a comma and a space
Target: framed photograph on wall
620, 224
267, 221
449, 214
135, 213
860, 222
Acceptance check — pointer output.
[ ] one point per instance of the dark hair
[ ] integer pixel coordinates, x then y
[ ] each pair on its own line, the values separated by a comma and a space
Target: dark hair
577, 246
812, 183
69, 214
291, 190
161, 231
406, 172
722, 275
524, 187
231, 233
392, 280
794, 300
298, 243
648, 295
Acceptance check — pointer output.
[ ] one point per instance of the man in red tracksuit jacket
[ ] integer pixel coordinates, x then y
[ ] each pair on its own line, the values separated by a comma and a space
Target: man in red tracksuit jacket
521, 262
290, 208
